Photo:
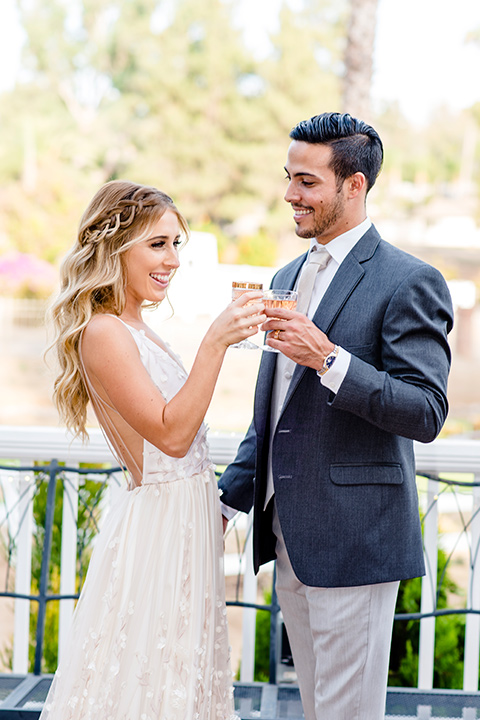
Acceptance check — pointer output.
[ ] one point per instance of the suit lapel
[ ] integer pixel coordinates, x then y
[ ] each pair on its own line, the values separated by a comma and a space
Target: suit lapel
263, 390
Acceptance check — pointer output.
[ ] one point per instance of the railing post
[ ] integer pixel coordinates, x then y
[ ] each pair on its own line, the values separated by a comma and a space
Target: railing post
47, 547
23, 572
472, 623
426, 651
68, 560
249, 614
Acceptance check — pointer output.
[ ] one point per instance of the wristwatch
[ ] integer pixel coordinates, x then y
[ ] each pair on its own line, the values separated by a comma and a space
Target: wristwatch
329, 360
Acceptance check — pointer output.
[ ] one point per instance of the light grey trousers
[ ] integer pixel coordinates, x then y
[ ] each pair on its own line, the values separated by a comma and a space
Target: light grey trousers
340, 640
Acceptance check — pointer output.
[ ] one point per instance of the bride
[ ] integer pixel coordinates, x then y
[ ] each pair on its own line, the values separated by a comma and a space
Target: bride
149, 637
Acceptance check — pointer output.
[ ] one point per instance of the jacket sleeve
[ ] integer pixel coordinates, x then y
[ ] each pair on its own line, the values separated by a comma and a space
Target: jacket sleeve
407, 394
237, 482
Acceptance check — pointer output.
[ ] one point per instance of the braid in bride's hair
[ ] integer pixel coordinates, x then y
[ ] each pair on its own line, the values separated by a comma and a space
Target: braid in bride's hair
93, 280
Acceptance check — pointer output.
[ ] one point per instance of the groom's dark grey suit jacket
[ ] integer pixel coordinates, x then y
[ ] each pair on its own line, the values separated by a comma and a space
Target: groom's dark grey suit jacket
343, 465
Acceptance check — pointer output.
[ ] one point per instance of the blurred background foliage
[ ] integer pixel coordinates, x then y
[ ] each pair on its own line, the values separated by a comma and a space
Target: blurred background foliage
169, 93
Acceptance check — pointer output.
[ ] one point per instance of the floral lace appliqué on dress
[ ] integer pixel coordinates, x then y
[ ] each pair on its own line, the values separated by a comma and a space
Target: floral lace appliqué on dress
149, 639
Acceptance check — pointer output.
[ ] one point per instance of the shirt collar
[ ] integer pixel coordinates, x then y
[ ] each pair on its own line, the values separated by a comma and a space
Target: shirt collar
340, 246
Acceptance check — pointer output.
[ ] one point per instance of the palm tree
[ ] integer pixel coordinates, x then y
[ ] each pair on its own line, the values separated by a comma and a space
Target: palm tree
359, 58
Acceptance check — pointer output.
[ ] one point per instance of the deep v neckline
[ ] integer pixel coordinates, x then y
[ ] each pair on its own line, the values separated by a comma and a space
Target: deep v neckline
144, 335
164, 350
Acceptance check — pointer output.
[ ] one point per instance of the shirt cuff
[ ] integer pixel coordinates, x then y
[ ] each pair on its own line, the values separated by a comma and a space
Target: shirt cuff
227, 511
334, 377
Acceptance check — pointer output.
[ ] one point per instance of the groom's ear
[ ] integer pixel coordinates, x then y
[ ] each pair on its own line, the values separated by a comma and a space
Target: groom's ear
356, 185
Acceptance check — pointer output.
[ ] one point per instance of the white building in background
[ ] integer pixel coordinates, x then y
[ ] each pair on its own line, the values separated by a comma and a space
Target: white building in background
202, 285
465, 338
464, 294
459, 231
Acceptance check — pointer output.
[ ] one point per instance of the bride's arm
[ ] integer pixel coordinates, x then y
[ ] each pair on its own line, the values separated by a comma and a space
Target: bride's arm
113, 362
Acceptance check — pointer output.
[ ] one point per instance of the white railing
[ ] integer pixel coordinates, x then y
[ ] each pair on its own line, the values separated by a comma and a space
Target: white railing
441, 458
25, 445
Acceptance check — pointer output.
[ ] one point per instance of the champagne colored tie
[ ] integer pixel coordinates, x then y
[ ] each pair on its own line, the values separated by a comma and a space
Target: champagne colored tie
317, 260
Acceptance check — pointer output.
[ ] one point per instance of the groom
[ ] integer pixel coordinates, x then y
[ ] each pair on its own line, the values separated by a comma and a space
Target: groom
328, 461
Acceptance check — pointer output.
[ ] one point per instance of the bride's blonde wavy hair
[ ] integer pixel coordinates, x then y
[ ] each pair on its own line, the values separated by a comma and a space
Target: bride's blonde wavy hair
92, 276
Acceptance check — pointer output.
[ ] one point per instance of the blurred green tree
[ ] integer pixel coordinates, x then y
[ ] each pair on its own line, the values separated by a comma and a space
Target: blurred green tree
162, 93
169, 93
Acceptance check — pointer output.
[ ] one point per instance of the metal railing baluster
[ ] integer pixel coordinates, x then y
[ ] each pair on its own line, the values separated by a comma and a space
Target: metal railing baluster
68, 560
44, 572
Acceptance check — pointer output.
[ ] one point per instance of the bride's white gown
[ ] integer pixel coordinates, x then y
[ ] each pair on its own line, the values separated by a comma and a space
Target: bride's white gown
149, 638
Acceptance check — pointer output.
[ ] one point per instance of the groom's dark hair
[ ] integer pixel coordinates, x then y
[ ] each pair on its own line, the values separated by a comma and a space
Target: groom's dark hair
356, 146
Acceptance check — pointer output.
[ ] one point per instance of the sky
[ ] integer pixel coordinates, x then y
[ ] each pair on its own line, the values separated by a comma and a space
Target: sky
422, 60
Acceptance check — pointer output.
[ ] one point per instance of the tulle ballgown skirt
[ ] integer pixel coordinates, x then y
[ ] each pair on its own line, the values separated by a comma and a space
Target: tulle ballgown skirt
149, 637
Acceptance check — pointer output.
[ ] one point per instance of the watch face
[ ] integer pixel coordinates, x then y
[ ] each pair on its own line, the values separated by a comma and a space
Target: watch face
328, 362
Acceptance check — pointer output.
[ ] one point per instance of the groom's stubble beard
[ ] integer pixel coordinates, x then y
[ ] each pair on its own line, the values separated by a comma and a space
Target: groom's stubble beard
324, 218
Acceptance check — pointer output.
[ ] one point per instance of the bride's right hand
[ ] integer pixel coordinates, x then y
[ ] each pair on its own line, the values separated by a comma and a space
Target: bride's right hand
239, 320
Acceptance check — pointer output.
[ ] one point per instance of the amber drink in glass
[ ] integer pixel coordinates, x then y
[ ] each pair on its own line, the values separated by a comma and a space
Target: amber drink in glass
238, 288
279, 299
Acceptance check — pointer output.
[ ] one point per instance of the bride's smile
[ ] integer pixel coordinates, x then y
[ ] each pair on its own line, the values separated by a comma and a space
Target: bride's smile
150, 263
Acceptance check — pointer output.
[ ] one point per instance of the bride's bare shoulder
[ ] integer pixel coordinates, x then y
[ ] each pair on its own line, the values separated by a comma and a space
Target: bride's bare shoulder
105, 333
102, 323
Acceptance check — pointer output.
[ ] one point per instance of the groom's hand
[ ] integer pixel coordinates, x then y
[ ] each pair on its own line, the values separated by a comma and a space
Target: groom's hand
297, 337
225, 523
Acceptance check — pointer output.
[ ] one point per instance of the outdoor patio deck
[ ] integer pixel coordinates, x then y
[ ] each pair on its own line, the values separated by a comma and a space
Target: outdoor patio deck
22, 698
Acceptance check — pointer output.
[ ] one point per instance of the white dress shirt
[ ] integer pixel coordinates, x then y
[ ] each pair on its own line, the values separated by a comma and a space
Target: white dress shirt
338, 248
